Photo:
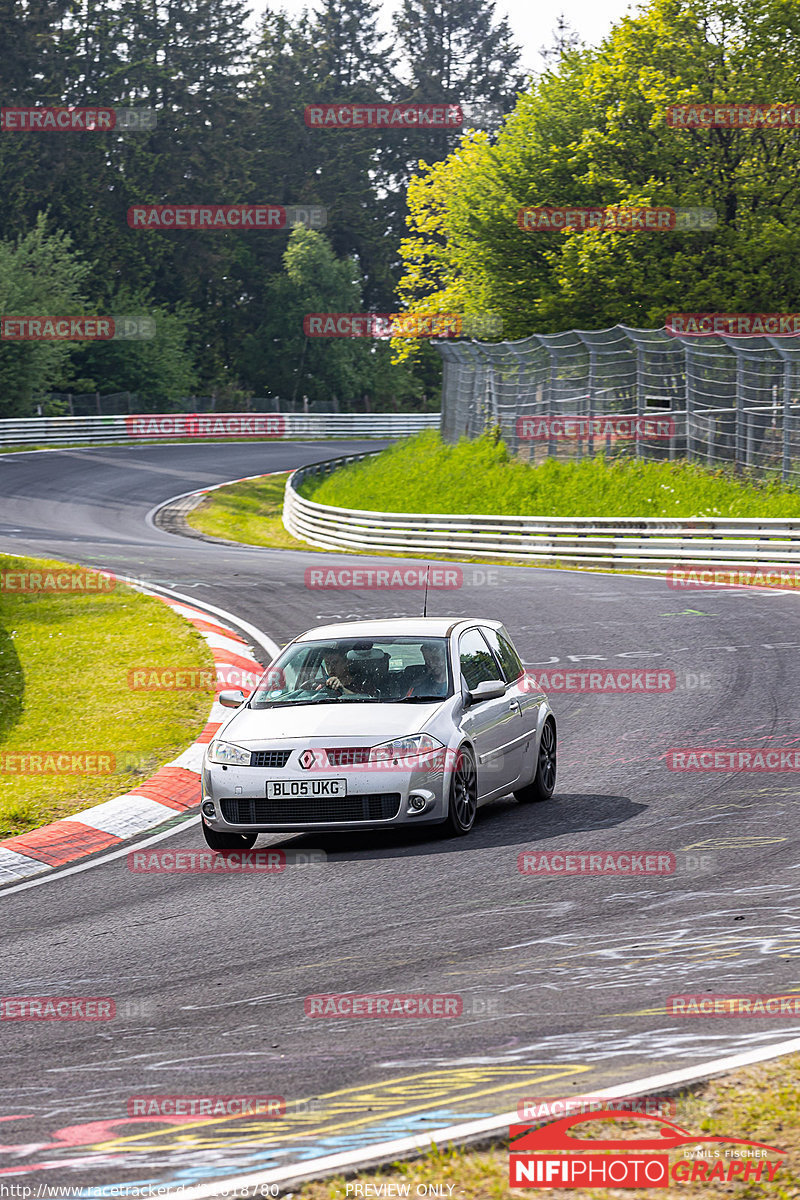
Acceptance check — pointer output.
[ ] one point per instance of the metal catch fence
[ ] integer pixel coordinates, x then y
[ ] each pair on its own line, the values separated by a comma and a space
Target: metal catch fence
642, 392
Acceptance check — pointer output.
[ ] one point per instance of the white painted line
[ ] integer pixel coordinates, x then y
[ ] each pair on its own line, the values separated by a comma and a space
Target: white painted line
382, 1152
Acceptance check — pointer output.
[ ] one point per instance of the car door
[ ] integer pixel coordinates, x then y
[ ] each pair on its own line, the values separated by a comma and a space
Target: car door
528, 697
493, 726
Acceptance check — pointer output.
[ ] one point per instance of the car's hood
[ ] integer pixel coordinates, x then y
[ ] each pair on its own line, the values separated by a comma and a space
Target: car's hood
366, 724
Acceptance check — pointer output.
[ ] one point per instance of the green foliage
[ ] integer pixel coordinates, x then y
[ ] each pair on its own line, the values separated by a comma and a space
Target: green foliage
39, 274
592, 132
423, 474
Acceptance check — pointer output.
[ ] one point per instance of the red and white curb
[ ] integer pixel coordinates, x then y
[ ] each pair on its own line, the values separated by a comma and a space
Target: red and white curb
173, 789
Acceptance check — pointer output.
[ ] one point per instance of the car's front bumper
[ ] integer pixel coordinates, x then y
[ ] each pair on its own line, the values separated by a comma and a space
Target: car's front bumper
377, 796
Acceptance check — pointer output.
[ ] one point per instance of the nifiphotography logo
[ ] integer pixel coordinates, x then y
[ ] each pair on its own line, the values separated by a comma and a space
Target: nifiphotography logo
551, 1156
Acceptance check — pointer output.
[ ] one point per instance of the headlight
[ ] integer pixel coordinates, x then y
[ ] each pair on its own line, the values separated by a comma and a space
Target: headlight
226, 752
421, 750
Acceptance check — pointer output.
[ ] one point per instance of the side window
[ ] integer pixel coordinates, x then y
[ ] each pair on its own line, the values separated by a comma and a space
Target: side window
509, 659
477, 663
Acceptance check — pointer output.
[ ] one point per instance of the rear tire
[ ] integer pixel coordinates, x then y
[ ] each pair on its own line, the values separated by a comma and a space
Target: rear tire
228, 841
543, 783
463, 801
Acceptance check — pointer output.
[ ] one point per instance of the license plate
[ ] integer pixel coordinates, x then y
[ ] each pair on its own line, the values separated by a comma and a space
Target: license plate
293, 789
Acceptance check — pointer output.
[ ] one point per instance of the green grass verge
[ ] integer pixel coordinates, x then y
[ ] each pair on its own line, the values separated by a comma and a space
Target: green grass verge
761, 1103
423, 474
246, 512
64, 688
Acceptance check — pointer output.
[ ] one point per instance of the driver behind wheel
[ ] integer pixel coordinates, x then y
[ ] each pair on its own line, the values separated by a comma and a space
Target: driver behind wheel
339, 676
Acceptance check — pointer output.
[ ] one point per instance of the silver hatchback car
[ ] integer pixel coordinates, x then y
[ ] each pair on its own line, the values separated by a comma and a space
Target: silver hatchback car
378, 724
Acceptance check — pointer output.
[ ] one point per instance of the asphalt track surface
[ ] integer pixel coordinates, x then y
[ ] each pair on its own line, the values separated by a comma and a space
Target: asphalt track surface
564, 981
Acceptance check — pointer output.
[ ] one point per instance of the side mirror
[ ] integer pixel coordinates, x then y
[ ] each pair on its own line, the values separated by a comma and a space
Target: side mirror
232, 699
490, 689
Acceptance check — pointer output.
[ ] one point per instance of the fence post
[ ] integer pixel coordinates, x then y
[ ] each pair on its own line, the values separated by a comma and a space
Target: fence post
551, 401
739, 452
590, 400
786, 462
640, 399
687, 350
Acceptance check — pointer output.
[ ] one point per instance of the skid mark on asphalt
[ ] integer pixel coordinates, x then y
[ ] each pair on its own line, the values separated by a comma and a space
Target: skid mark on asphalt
196, 1149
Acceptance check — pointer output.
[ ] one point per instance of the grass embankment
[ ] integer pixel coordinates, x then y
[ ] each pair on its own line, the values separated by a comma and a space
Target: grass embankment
246, 512
65, 659
422, 474
761, 1103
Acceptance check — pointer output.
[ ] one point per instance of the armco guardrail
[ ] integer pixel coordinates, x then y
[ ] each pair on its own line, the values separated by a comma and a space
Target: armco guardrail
641, 544
144, 427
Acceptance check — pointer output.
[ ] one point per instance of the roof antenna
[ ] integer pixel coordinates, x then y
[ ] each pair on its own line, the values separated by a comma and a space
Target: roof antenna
425, 603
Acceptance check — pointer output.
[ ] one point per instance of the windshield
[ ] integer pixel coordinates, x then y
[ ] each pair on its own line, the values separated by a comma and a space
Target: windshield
350, 670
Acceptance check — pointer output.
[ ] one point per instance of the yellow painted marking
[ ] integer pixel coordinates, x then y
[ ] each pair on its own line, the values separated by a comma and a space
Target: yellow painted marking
432, 1086
733, 843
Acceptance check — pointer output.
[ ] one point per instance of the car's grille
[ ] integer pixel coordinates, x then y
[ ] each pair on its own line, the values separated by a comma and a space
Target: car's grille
347, 756
269, 758
373, 806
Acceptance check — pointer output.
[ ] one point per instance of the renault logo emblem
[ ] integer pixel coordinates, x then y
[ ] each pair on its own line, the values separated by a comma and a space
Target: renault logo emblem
307, 759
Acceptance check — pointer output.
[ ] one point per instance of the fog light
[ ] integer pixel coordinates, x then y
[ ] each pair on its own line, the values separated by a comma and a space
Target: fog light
209, 810
417, 803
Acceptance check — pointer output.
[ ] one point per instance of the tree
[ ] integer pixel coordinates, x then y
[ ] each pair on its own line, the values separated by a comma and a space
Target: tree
565, 40
40, 275
593, 132
159, 369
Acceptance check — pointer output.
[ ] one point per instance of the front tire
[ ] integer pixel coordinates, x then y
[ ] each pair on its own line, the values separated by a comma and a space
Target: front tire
463, 800
543, 783
227, 841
